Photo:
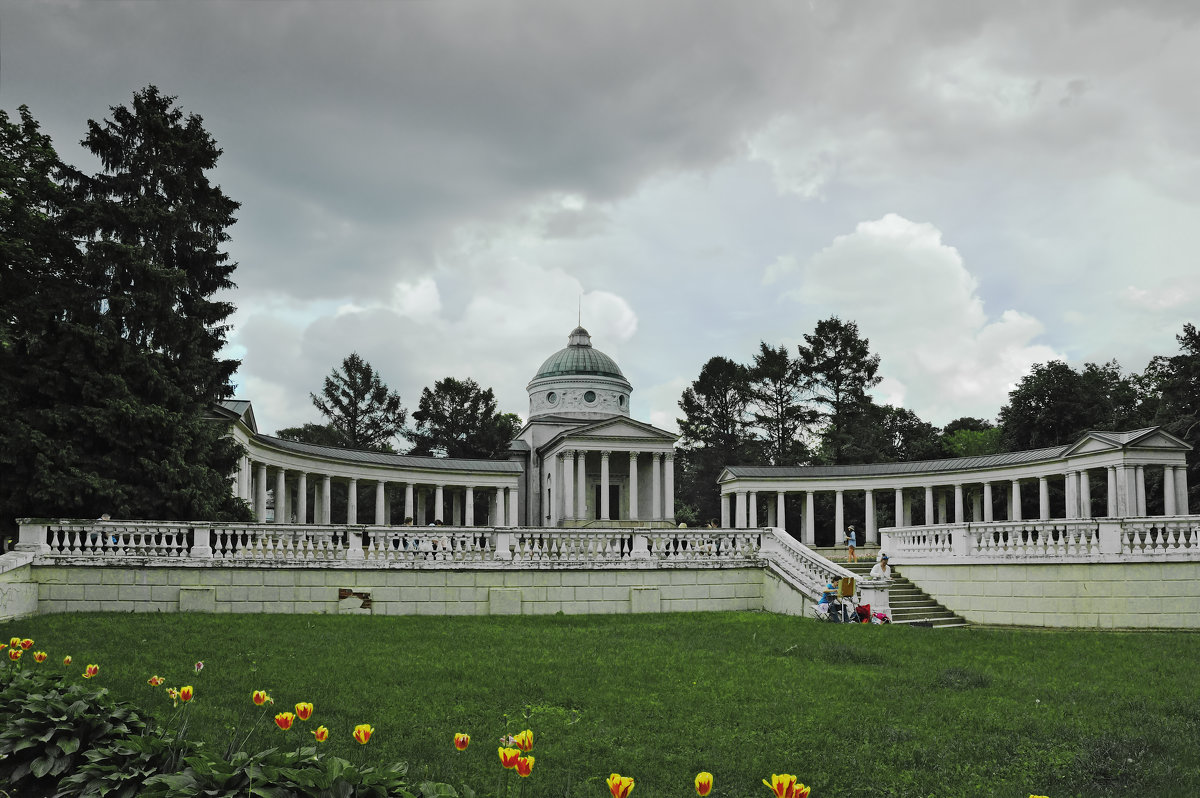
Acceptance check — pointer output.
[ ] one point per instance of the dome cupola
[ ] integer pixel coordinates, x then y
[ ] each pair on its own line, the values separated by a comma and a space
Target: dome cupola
579, 380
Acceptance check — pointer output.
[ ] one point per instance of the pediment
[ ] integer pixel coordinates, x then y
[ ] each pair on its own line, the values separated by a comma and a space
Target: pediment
620, 429
1091, 443
1159, 439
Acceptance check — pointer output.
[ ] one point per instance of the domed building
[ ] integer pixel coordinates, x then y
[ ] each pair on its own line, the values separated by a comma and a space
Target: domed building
585, 460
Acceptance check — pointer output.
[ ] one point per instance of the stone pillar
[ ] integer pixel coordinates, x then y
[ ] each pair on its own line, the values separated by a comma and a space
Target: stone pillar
1168, 490
739, 512
1113, 506
656, 488
469, 502
318, 502
770, 513
409, 510
380, 502
907, 502
439, 500
1043, 499
976, 507
870, 534
1141, 490
456, 502
942, 515
568, 484
1014, 510
839, 518
928, 505
1182, 505
422, 517
810, 519
752, 515
1071, 489
633, 486
899, 508
1085, 495
498, 518
302, 497
959, 513
1126, 491
669, 486
604, 508
987, 502
781, 509
260, 492
581, 486
326, 499
352, 502
513, 510
724, 511
281, 516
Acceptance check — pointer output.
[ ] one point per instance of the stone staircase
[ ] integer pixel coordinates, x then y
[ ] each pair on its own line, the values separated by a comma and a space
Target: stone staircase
908, 602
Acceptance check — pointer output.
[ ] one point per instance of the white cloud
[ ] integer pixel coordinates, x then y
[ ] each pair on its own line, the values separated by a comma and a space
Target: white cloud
914, 298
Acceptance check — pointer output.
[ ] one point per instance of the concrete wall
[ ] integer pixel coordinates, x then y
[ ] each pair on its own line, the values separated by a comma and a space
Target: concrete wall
18, 591
395, 592
1104, 595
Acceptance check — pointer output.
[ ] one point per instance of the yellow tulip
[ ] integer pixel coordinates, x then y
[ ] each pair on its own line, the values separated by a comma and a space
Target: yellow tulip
27, 644
260, 697
39, 656
155, 680
524, 740
67, 660
321, 733
15, 654
620, 786
461, 741
363, 732
14, 642
704, 783
783, 785
509, 756
284, 720
304, 711
185, 693
524, 766
90, 671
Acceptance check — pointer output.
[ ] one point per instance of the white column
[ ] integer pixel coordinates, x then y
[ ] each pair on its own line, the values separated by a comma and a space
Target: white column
326, 499
380, 502
781, 510
871, 536
899, 507
1182, 505
1141, 490
839, 518
422, 517
987, 502
724, 511
941, 507
513, 509
633, 486
752, 513
568, 484
770, 513
907, 502
439, 499
1114, 507
669, 486
1014, 511
456, 508
928, 505
499, 519
739, 513
976, 507
1043, 498
604, 508
281, 496
810, 519
959, 515
1071, 489
469, 502
1085, 495
656, 488
352, 502
260, 492
581, 485
1168, 490
409, 510
318, 502
1126, 491
301, 498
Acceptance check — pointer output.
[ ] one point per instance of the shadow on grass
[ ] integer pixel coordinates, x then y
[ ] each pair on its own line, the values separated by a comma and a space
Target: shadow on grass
961, 679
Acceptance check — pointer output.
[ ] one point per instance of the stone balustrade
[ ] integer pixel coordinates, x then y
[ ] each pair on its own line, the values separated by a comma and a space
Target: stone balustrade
1058, 540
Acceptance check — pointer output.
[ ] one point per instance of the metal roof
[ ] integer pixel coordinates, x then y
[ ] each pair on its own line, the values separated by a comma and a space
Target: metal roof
392, 460
579, 360
909, 467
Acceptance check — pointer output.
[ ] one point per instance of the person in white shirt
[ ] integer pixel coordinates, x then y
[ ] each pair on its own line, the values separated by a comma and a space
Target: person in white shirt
881, 570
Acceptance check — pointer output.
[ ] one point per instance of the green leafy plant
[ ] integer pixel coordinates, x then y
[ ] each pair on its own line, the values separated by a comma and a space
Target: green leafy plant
119, 768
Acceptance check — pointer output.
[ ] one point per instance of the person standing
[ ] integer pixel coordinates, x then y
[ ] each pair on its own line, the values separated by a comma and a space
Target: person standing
851, 542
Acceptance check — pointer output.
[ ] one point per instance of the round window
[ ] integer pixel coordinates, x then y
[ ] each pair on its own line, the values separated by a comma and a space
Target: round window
589, 397
621, 400
552, 397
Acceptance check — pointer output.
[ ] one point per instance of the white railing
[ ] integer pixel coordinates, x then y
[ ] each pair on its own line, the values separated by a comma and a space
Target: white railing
107, 539
1082, 539
275, 543
423, 545
806, 570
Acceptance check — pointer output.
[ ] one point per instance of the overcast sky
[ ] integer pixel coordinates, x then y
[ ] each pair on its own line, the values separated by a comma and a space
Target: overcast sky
981, 186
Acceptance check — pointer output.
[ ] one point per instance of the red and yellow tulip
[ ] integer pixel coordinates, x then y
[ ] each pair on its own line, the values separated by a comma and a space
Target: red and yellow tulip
14, 654
704, 783
90, 670
782, 784
304, 710
524, 766
260, 697
39, 656
185, 693
67, 660
284, 720
509, 757
524, 740
14, 642
620, 786
155, 680
321, 733
461, 741
26, 644
363, 732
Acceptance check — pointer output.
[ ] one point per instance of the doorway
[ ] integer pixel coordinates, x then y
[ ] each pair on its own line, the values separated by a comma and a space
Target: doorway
614, 502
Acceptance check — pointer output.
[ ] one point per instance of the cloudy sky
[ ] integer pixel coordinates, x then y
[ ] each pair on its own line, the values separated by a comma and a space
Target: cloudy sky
980, 186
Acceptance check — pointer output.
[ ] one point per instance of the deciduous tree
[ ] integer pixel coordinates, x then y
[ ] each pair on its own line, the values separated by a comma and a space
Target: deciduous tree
458, 418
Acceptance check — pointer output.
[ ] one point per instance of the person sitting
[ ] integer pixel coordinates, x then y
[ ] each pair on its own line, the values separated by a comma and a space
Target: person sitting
881, 570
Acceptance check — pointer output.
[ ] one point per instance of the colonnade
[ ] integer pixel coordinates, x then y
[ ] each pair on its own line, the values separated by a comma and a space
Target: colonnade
424, 502
1124, 486
570, 468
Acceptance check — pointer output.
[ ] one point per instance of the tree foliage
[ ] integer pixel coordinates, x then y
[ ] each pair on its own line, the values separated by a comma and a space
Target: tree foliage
1176, 381
458, 418
777, 401
839, 369
361, 410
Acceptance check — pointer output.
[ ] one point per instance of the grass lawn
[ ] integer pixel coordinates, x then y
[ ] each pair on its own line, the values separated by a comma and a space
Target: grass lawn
850, 710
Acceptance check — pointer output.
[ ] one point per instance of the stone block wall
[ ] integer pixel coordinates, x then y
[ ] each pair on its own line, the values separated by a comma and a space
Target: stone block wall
69, 588
1098, 595
18, 591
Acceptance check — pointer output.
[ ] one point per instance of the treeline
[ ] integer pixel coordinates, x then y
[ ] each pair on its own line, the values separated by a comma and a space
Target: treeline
812, 406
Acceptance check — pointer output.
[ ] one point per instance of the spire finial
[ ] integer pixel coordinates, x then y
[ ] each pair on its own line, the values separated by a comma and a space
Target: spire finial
579, 317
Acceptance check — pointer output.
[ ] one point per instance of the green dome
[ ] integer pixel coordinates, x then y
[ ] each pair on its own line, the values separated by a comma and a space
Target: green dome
579, 358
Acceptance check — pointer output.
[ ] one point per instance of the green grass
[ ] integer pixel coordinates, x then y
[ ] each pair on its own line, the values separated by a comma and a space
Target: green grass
851, 710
